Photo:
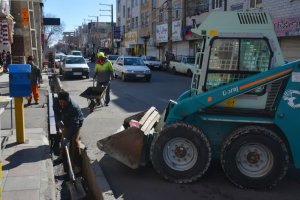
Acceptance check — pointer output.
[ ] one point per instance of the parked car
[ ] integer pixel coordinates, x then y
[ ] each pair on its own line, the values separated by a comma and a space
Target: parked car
152, 62
128, 67
58, 59
74, 66
185, 65
112, 58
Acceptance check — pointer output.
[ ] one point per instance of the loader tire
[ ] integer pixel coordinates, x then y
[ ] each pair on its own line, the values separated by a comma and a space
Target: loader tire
181, 153
254, 157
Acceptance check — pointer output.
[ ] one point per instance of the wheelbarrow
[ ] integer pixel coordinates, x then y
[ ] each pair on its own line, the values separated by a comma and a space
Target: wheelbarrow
92, 94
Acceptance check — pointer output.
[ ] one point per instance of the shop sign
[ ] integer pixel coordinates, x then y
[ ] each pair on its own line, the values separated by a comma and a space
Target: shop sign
287, 26
162, 33
25, 16
176, 31
130, 38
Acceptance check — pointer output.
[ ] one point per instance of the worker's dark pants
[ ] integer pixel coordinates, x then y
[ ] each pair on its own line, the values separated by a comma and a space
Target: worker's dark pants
107, 97
74, 148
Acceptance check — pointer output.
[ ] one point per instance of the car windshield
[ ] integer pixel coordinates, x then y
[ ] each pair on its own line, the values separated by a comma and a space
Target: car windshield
75, 60
113, 57
76, 53
151, 58
191, 60
133, 61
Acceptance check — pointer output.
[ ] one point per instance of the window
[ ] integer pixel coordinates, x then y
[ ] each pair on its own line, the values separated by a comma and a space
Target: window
146, 18
128, 12
132, 3
161, 14
136, 22
255, 3
119, 5
143, 20
136, 2
132, 23
153, 4
234, 59
124, 11
216, 4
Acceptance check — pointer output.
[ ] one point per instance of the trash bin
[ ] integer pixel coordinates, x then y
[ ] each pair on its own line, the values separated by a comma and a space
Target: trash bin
19, 80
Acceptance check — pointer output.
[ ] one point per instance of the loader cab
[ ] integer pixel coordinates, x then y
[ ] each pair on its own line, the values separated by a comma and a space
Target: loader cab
223, 60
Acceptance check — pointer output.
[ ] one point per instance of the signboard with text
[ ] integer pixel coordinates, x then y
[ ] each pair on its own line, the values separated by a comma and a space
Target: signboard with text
287, 26
25, 16
162, 33
130, 38
176, 31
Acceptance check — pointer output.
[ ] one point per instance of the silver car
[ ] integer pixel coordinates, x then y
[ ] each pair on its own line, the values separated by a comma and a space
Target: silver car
129, 67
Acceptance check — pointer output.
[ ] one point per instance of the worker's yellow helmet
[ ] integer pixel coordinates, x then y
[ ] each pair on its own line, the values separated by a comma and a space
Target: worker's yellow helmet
101, 55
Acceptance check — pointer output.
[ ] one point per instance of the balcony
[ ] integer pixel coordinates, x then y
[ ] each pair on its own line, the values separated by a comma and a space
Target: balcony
4, 8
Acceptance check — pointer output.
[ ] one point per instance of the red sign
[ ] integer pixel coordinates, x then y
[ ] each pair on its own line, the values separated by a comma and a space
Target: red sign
287, 26
25, 16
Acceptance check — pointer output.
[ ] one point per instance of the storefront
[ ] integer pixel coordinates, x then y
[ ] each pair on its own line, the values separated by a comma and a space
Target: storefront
288, 33
133, 46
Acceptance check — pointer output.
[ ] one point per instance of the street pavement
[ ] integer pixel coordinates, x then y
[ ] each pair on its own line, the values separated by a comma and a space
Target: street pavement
27, 168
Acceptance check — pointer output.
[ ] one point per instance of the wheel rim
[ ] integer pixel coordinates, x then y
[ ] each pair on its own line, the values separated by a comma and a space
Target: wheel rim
254, 160
180, 154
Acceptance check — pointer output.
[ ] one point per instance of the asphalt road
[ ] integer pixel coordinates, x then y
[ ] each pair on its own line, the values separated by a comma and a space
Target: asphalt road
128, 98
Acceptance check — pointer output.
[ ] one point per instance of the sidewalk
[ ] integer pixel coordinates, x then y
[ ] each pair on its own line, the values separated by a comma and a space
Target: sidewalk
27, 168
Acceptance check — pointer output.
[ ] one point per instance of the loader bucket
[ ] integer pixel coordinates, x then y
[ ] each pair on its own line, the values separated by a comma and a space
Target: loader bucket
130, 145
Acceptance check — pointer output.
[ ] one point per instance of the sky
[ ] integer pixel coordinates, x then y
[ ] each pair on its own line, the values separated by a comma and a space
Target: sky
73, 12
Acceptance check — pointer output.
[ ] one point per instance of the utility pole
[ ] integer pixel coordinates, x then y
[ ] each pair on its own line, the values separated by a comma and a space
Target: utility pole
96, 30
112, 23
170, 24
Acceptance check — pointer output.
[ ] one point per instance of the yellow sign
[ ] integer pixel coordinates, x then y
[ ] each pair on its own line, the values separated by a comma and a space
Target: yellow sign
131, 38
230, 103
213, 32
25, 16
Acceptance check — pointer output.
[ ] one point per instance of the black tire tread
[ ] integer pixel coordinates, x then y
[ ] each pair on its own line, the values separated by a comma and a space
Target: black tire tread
267, 132
182, 181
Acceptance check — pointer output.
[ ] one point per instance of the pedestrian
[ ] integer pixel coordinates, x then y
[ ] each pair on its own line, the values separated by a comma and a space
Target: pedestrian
103, 75
3, 56
35, 80
69, 118
8, 59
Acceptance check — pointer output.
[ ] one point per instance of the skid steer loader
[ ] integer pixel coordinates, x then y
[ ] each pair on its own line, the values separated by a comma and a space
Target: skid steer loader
242, 108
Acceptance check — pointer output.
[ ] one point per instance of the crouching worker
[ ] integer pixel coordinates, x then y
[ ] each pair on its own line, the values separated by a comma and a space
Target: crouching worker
69, 120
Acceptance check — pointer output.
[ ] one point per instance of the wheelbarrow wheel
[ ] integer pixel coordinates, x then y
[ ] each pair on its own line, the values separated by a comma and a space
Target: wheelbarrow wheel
181, 153
91, 105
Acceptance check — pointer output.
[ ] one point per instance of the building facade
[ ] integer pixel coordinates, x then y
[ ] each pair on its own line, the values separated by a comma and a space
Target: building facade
27, 30
152, 26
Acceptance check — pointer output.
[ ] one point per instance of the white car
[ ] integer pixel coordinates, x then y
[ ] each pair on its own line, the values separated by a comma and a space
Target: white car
74, 66
152, 62
58, 59
112, 58
129, 67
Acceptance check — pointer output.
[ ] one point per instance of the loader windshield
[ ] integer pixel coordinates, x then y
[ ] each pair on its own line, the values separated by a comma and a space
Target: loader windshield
233, 59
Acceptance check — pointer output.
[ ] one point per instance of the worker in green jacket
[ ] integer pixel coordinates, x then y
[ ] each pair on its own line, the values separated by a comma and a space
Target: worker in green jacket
103, 75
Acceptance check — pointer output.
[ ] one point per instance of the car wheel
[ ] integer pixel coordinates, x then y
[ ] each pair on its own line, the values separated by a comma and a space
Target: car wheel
180, 153
124, 77
189, 73
254, 157
148, 79
173, 70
